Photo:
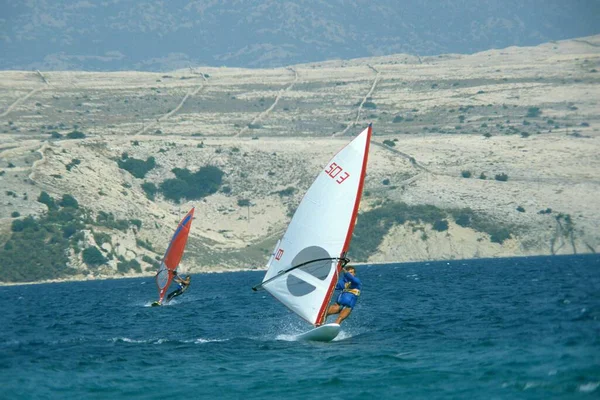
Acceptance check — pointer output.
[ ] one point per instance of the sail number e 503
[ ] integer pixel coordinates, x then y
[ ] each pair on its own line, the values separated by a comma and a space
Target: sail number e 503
335, 171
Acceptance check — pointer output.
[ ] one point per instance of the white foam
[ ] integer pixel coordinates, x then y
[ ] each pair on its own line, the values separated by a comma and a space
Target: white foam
589, 387
201, 340
286, 337
127, 340
343, 335
530, 385
139, 341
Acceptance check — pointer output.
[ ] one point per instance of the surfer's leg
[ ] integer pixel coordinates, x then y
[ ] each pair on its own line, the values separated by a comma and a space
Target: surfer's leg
174, 294
346, 303
333, 309
343, 315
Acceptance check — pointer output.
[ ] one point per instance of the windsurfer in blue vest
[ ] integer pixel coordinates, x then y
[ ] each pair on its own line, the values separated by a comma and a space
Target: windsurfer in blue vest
183, 285
350, 286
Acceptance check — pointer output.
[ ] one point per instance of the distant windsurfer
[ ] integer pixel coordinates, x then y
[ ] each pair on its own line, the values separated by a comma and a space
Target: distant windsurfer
350, 286
183, 285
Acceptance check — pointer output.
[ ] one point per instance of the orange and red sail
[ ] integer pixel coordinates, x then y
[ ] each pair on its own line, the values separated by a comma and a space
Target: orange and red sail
173, 255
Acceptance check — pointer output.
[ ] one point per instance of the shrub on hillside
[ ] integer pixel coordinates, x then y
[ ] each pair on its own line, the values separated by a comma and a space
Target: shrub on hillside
287, 191
135, 167
93, 257
150, 189
440, 225
187, 185
46, 199
125, 266
533, 112
68, 201
75, 135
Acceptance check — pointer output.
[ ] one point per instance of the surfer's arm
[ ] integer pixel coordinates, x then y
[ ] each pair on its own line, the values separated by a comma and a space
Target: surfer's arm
341, 283
351, 278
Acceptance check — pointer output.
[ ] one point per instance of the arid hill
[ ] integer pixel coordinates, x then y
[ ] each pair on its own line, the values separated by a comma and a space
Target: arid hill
511, 135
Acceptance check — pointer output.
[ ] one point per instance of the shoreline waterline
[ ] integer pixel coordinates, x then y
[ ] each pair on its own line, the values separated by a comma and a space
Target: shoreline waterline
80, 278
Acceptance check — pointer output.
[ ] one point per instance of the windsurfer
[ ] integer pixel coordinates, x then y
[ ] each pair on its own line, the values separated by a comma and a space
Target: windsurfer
350, 286
183, 285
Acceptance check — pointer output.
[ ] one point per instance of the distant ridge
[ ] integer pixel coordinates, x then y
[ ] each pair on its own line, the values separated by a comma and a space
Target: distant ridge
162, 36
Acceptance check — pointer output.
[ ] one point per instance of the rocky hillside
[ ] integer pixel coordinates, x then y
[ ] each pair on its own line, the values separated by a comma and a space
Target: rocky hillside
492, 154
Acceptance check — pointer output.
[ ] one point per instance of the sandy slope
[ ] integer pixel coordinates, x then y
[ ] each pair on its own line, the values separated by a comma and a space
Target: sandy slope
269, 130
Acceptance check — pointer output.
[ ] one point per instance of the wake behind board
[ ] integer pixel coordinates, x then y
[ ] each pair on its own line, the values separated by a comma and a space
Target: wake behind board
323, 333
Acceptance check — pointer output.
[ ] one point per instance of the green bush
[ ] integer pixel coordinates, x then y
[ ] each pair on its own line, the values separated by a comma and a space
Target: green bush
389, 143
15, 214
290, 190
125, 266
463, 219
20, 225
43, 242
397, 119
68, 201
243, 202
45, 198
466, 174
73, 163
108, 220
135, 167
93, 257
100, 238
186, 185
75, 135
501, 177
150, 189
150, 261
500, 235
533, 112
144, 244
369, 104
440, 225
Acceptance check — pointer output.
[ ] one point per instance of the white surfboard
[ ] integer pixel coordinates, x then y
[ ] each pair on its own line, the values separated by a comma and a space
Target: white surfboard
323, 333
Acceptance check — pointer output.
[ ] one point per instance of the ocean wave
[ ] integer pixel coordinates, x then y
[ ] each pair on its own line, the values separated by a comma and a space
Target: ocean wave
589, 387
202, 341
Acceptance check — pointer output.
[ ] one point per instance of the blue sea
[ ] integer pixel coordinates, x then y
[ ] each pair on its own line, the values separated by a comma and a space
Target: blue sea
514, 328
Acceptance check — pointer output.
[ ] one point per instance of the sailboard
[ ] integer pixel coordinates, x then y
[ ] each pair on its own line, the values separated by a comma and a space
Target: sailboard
172, 256
306, 262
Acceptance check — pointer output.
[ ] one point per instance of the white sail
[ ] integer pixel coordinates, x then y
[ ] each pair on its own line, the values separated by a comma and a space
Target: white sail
319, 234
